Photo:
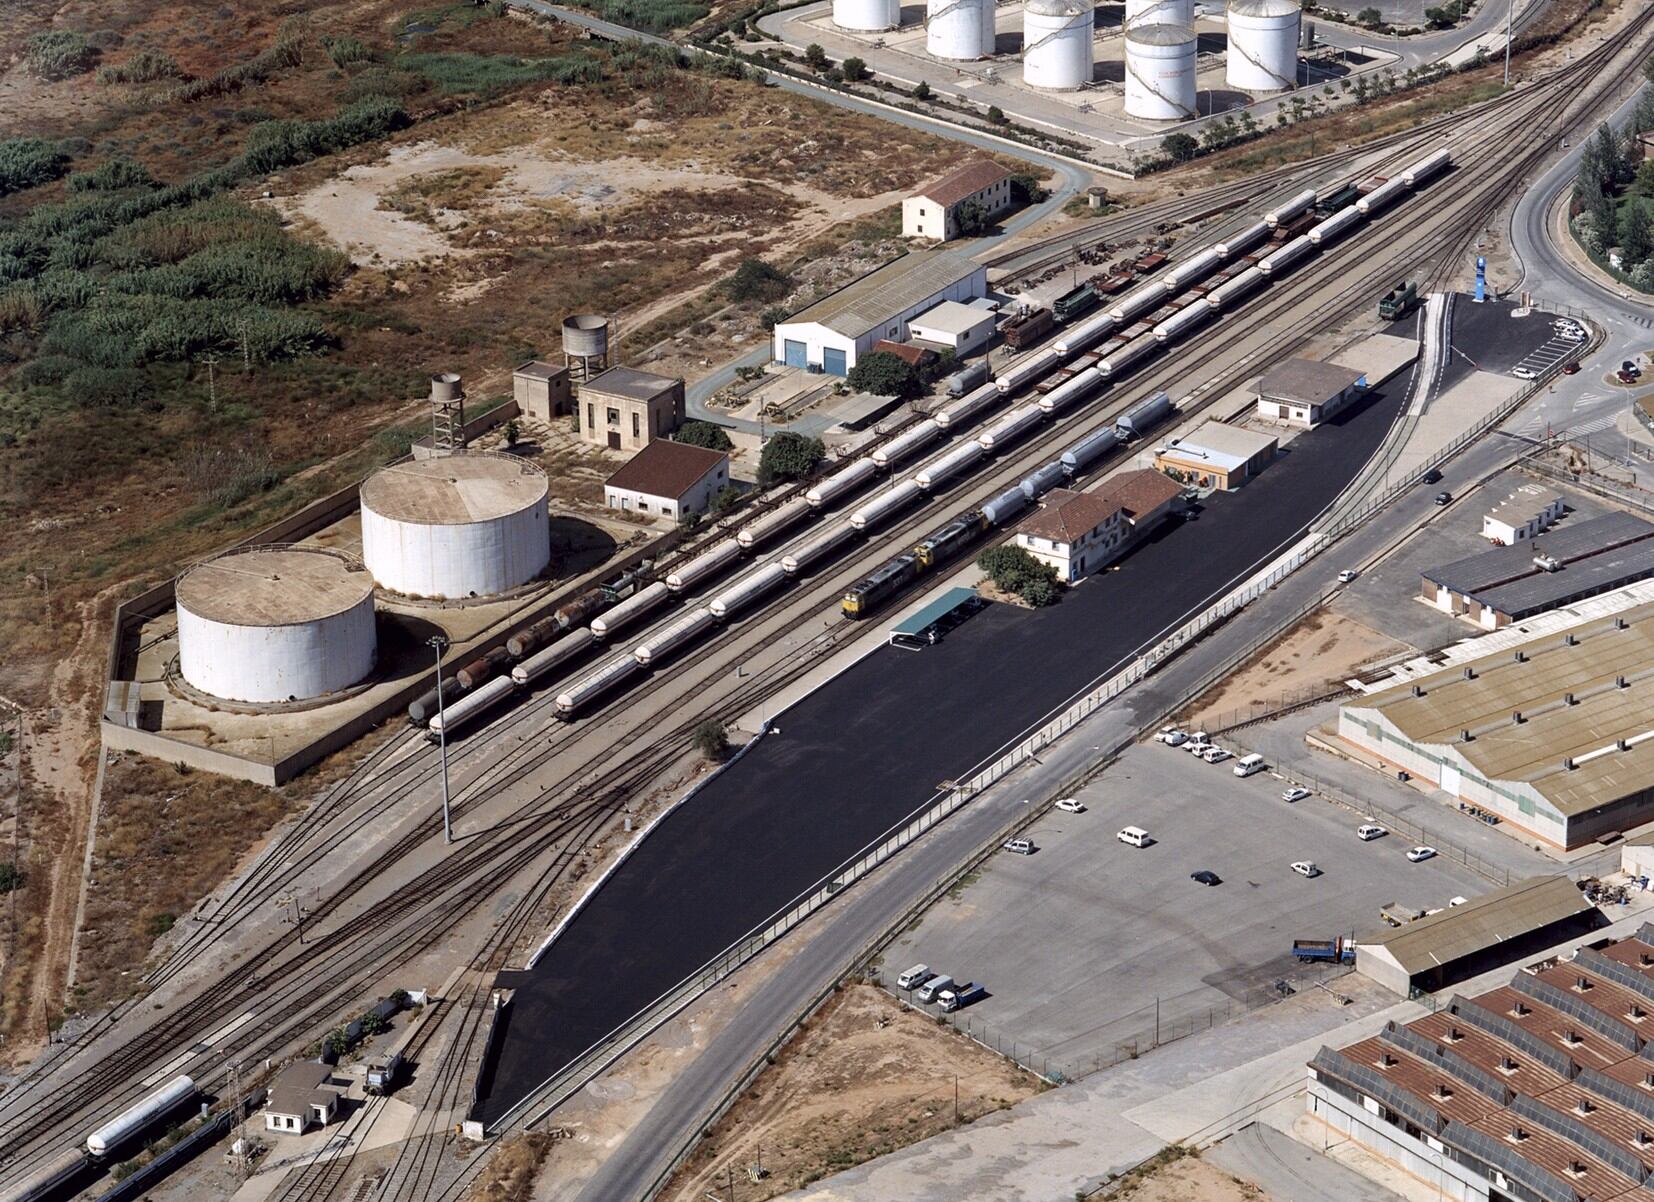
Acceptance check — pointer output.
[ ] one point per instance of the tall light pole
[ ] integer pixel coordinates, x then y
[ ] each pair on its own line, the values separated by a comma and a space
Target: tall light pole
1510, 19
439, 644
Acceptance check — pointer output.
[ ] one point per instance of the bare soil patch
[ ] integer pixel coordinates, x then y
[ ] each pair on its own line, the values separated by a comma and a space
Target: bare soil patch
1187, 1178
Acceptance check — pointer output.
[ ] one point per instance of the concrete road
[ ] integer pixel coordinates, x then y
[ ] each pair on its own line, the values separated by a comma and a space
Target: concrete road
1289, 1172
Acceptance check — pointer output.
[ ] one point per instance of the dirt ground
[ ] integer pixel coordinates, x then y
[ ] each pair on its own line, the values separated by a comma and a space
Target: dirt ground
1188, 1179
864, 1077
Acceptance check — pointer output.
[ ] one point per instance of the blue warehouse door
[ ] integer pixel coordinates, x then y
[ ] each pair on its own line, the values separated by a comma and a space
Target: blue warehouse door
832, 362
794, 353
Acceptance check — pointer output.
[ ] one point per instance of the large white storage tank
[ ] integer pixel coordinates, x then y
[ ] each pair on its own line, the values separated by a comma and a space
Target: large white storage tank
867, 16
1160, 72
457, 526
1160, 12
1263, 44
1056, 44
275, 623
959, 30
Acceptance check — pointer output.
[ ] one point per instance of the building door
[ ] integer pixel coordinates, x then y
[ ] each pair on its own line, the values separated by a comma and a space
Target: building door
832, 361
795, 353
1451, 781
614, 440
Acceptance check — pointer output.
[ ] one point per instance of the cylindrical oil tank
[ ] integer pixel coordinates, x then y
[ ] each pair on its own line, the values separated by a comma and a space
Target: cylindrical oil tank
842, 481
706, 564
959, 30
1028, 371
1005, 506
747, 590
1160, 72
946, 466
525, 642
1043, 480
1293, 252
1160, 12
867, 16
586, 336
604, 678
542, 663
1085, 335
1184, 320
813, 549
423, 706
1056, 44
1427, 166
630, 611
1192, 271
1089, 449
882, 505
576, 612
1138, 301
771, 525
967, 406
1380, 196
456, 526
1325, 231
1133, 352
483, 668
908, 443
275, 623
1072, 390
1228, 293
676, 634
1263, 45
1253, 235
1289, 209
135, 1120
469, 707
1011, 427
1144, 416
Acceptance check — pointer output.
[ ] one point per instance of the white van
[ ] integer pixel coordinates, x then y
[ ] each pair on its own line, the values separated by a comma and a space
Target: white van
1134, 835
913, 977
1248, 764
933, 988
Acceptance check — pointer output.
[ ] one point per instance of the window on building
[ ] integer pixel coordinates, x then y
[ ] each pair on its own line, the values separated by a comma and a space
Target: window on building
614, 417
591, 416
636, 432
642, 505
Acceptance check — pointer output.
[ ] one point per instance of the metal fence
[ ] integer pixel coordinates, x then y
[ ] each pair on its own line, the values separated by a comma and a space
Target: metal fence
1262, 709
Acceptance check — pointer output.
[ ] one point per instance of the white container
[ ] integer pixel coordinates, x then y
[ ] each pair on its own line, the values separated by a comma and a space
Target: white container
1137, 302
1085, 335
1224, 295
468, 707
1380, 196
1116, 362
1010, 427
959, 30
604, 678
1181, 322
882, 505
1287, 210
271, 624
867, 16
705, 565
543, 663
1057, 44
1078, 387
907, 444
767, 528
676, 634
1263, 45
1293, 252
747, 590
1160, 12
842, 481
1192, 271
967, 406
1325, 231
1253, 235
1426, 167
630, 611
1028, 371
823, 544
946, 466
456, 526
135, 1120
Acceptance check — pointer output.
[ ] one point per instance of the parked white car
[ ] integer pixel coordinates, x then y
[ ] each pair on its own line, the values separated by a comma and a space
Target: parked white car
1305, 868
1347, 575
1368, 831
1070, 805
1421, 853
1172, 737
1296, 793
1022, 847
1524, 373
1197, 746
1216, 755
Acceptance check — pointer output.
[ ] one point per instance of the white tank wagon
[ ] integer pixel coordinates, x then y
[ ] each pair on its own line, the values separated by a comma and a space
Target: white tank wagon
818, 547
1325, 231
707, 564
605, 678
842, 481
1191, 271
1005, 506
1028, 371
776, 522
959, 30
1043, 480
1089, 449
461, 713
908, 443
882, 505
1160, 12
1085, 335
747, 590
967, 406
275, 623
1263, 45
674, 635
1226, 294
1160, 71
1137, 302
543, 663
1293, 252
1057, 44
1143, 416
1077, 388
1010, 427
1381, 196
135, 1120
630, 611
1184, 320
867, 16
1127, 356
457, 526
946, 466
1252, 236
1285, 212
1426, 167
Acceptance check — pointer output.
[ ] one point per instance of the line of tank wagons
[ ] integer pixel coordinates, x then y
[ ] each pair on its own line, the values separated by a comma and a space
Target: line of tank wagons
555, 643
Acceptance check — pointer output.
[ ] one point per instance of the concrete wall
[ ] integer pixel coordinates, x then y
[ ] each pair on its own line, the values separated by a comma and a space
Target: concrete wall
698, 499
1428, 1162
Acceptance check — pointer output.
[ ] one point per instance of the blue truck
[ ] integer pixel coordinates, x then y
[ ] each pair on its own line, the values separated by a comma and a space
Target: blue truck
1336, 951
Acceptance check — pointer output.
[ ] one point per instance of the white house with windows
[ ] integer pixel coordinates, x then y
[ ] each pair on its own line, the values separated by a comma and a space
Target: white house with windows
668, 479
1079, 533
933, 211
303, 1095
1523, 514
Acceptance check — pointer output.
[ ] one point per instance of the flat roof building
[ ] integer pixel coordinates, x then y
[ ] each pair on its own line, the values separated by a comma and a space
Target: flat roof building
625, 409
1554, 736
1078, 533
1306, 392
1216, 456
1578, 560
303, 1094
668, 479
963, 329
1522, 515
541, 390
830, 334
934, 211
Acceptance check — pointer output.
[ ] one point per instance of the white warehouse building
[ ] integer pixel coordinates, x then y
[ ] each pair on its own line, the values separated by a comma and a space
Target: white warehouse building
833, 333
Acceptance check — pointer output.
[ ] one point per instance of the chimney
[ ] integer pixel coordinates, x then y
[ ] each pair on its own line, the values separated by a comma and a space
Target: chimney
1517, 1135
1519, 1008
1621, 745
1568, 763
1576, 1166
1516, 718
1582, 983
1441, 1093
1645, 958
1643, 1139
1567, 699
1585, 1106
1385, 1060
1521, 657
1619, 623
1417, 691
1469, 673
1619, 682
1568, 640
1648, 1080
1465, 736
1507, 1064
1571, 1037
1636, 1012
1454, 1035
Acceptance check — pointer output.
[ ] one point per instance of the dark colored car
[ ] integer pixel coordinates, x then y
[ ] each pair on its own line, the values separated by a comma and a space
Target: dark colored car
1570, 369
1444, 497
1206, 877
1432, 477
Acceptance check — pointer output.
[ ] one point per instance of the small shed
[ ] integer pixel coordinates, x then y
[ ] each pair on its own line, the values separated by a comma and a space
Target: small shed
962, 329
1522, 515
1216, 455
541, 390
303, 1095
1306, 392
669, 479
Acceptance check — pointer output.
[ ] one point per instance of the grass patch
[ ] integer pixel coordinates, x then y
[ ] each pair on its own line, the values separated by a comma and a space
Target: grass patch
28, 163
461, 71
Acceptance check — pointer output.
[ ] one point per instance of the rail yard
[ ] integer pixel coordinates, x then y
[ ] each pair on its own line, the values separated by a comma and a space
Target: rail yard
514, 879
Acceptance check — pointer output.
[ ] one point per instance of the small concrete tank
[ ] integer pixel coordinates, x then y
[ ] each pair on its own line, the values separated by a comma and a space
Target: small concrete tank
585, 344
1160, 72
275, 623
959, 30
1057, 44
1263, 44
867, 16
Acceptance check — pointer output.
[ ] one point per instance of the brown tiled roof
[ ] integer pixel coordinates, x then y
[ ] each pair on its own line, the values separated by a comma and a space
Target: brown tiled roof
964, 181
905, 351
1142, 491
1067, 516
666, 469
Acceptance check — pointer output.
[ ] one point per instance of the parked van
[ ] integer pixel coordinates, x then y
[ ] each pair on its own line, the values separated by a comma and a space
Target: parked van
1248, 764
914, 977
1134, 835
932, 989
961, 996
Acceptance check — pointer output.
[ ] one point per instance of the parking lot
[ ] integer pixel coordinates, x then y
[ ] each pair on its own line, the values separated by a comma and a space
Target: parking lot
1492, 339
1088, 943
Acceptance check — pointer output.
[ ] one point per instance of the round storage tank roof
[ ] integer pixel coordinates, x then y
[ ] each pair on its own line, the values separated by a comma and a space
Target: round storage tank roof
1057, 8
454, 490
1160, 35
273, 586
1265, 8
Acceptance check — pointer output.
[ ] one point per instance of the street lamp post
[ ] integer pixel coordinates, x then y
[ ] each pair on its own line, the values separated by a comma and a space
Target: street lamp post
1510, 19
439, 644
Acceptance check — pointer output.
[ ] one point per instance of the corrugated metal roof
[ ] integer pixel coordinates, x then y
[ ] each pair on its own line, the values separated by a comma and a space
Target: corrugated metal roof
935, 611
1307, 381
1526, 502
1569, 543
1481, 923
868, 303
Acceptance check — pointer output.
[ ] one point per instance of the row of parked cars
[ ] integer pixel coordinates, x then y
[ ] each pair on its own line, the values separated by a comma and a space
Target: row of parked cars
1196, 743
928, 987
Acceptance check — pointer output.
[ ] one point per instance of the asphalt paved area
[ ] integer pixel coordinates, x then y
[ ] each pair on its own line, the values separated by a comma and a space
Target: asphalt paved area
1076, 942
1492, 339
863, 753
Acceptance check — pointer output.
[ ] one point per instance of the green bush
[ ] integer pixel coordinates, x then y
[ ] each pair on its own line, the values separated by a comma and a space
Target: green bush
286, 54
146, 66
884, 374
711, 739
28, 163
652, 16
1014, 570
347, 52
462, 71
59, 54
112, 175
385, 81
704, 434
11, 878
756, 280
788, 456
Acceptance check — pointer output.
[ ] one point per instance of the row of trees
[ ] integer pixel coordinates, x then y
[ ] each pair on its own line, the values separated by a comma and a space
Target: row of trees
1014, 570
1614, 195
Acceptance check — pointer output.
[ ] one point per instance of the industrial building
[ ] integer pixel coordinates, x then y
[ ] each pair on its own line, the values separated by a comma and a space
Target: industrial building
1477, 936
302, 1095
625, 409
542, 391
1522, 515
1216, 456
831, 334
1541, 1090
668, 479
962, 329
457, 526
275, 623
1078, 533
933, 211
1306, 392
1553, 735
1507, 584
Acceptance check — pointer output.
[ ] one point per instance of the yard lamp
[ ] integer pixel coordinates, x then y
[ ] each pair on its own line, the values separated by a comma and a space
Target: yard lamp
439, 644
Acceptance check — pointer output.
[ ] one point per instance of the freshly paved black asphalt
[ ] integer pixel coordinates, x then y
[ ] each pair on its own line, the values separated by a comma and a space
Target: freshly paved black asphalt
859, 755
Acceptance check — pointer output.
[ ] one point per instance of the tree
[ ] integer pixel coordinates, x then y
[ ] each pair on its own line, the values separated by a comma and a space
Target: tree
884, 374
337, 1042
855, 69
727, 496
971, 218
773, 316
921, 90
815, 57
1040, 592
11, 877
372, 1022
787, 456
512, 432
1026, 189
996, 114
1636, 242
756, 280
1370, 16
1181, 147
698, 433
711, 739
1009, 566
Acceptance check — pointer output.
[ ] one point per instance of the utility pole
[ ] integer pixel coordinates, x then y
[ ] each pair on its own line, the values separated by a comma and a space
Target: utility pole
440, 644
243, 328
296, 911
1510, 19
212, 380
